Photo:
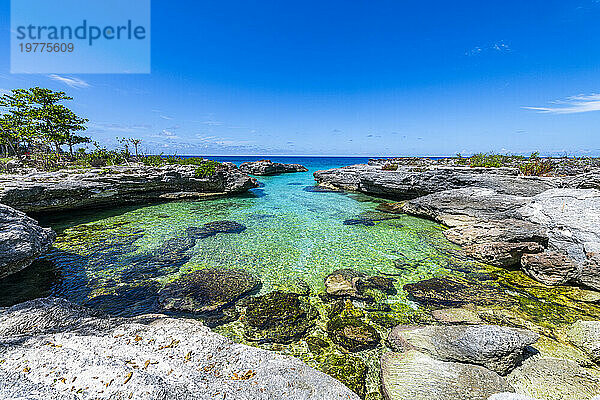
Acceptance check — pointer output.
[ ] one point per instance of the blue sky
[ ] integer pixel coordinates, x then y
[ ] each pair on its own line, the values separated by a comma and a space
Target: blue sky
350, 78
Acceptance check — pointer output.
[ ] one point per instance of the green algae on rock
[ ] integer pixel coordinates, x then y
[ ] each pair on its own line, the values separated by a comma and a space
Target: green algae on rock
207, 290
352, 333
351, 371
278, 317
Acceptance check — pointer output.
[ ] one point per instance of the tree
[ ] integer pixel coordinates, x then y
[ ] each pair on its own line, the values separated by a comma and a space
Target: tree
17, 122
66, 125
136, 144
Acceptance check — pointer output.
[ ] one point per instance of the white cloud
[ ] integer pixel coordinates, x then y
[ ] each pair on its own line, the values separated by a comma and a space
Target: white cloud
572, 105
167, 132
500, 47
70, 81
166, 117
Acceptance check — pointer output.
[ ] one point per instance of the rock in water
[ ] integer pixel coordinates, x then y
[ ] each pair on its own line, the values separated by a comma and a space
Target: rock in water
267, 167
54, 350
494, 347
278, 317
351, 283
207, 290
22, 240
352, 333
586, 336
416, 376
447, 292
213, 228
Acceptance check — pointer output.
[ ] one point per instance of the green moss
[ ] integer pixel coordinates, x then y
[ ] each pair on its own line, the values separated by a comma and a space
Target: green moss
278, 317
351, 371
316, 345
352, 333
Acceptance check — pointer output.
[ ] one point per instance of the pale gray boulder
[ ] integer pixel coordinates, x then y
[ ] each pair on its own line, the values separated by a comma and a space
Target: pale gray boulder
416, 376
586, 336
497, 348
51, 349
22, 240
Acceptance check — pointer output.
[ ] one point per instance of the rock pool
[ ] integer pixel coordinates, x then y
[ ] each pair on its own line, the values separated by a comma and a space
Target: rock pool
291, 237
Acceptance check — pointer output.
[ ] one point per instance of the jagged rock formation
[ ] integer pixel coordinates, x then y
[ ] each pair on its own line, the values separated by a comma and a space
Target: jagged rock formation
22, 240
267, 167
111, 186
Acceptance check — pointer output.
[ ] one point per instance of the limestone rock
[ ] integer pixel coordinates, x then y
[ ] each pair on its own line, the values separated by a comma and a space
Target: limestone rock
49, 346
554, 379
207, 290
550, 268
410, 182
267, 167
110, 186
416, 376
22, 240
494, 347
586, 336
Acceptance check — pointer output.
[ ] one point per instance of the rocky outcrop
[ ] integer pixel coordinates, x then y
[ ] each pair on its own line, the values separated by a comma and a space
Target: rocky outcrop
207, 290
410, 182
52, 349
22, 240
267, 167
497, 348
553, 236
111, 186
416, 376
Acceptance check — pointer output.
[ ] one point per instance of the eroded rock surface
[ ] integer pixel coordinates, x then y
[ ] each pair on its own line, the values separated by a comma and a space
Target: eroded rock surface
22, 240
53, 350
586, 336
410, 182
416, 376
110, 186
497, 348
267, 167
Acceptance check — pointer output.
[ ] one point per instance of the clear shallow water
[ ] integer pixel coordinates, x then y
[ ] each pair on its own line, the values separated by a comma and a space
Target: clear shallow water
292, 234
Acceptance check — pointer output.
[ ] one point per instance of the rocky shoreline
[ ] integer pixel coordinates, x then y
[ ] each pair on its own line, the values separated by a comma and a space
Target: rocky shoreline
474, 332
546, 225
268, 167
72, 189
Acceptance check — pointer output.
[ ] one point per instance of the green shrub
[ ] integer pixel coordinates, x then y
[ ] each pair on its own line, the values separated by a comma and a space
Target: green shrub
536, 167
154, 161
206, 169
389, 167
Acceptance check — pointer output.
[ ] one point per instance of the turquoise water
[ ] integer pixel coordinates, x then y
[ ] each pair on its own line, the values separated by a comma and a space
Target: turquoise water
114, 259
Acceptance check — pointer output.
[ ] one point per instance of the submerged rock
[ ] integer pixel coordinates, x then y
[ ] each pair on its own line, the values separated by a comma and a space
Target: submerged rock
52, 349
207, 290
278, 317
212, 228
457, 316
22, 240
447, 292
497, 348
352, 333
267, 167
351, 371
416, 376
586, 336
352, 283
